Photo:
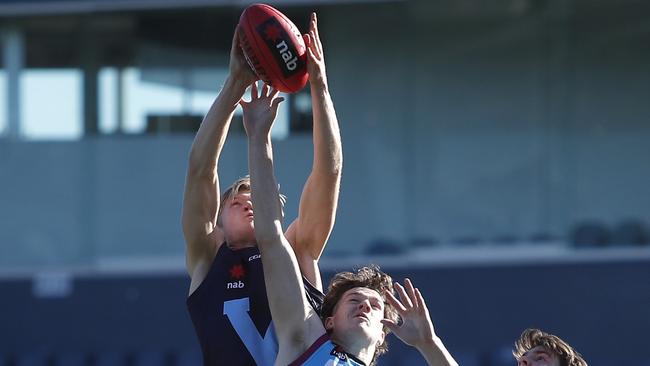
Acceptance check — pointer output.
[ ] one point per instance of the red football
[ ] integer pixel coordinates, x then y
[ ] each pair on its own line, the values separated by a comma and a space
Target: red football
273, 47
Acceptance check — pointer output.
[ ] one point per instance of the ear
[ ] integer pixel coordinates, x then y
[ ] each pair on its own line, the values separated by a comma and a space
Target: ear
329, 323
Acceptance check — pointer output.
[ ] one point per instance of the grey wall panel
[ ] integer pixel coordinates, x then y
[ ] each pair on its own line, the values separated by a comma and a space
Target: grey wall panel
508, 125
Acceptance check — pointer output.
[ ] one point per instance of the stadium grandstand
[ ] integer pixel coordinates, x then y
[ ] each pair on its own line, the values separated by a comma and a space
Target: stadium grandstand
496, 152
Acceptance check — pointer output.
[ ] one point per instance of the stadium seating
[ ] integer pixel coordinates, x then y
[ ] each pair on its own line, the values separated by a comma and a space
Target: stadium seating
71, 359
385, 246
111, 358
630, 232
587, 234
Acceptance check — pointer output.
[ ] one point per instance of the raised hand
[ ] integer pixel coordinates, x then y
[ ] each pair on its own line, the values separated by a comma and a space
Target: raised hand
315, 56
416, 328
239, 68
260, 112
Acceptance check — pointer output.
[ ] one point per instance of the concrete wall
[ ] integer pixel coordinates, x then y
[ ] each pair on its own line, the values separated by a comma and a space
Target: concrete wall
104, 200
511, 123
506, 124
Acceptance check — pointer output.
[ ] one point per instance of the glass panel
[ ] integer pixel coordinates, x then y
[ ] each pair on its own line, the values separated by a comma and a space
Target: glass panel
142, 98
166, 92
50, 104
204, 84
108, 121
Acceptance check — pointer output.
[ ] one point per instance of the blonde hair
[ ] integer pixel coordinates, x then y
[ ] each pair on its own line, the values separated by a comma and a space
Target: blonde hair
531, 338
241, 185
369, 277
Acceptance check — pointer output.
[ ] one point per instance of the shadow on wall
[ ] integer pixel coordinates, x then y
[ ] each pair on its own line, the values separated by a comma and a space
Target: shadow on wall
583, 234
596, 234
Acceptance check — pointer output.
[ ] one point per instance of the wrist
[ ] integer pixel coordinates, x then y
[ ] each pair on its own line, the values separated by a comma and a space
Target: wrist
319, 88
262, 137
318, 82
235, 85
430, 343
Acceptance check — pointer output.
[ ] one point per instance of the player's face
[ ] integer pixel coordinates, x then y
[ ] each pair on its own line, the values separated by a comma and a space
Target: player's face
237, 217
358, 314
539, 356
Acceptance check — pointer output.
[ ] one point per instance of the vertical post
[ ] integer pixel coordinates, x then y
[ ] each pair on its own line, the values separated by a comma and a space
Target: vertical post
13, 50
90, 69
90, 102
119, 101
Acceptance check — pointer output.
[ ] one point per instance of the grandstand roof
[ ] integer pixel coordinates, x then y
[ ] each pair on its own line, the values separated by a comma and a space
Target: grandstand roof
45, 7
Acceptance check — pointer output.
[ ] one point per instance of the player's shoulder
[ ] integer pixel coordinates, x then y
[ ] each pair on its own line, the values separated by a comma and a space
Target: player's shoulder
200, 266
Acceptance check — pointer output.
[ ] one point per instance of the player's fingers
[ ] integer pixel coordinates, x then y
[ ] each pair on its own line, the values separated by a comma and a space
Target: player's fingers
394, 302
312, 20
254, 92
423, 305
391, 324
311, 55
411, 292
276, 102
274, 92
403, 296
315, 42
312, 38
314, 23
265, 91
317, 34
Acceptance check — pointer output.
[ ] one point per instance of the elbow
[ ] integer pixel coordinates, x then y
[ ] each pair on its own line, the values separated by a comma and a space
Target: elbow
337, 167
334, 163
337, 158
334, 168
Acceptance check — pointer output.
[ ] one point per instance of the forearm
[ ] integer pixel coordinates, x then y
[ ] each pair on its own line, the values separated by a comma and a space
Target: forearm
287, 299
266, 202
328, 155
436, 354
211, 136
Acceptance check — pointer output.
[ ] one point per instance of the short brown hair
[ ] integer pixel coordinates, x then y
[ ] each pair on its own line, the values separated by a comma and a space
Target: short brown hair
369, 277
241, 185
532, 338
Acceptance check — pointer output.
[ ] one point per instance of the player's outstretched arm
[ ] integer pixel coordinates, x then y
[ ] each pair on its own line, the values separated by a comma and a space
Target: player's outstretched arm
318, 202
296, 324
201, 198
416, 328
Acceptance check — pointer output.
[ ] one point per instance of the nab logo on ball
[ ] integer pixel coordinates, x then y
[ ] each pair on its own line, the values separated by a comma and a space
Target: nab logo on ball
280, 45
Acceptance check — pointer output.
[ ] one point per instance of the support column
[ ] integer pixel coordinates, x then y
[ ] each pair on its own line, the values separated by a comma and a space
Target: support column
90, 102
13, 50
90, 68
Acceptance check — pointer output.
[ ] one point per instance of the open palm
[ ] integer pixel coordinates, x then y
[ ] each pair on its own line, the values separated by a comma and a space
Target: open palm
416, 327
261, 110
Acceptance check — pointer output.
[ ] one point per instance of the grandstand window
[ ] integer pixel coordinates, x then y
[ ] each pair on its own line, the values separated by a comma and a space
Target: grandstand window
107, 94
165, 100
144, 97
50, 104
